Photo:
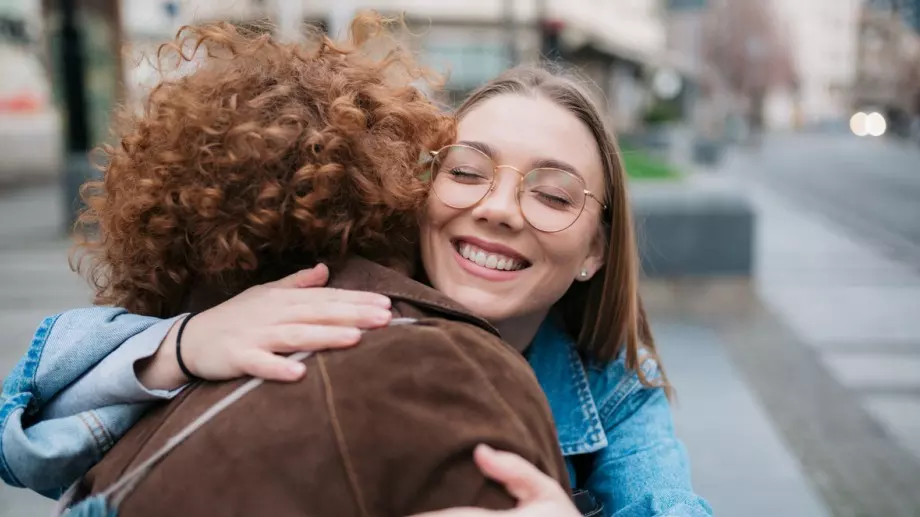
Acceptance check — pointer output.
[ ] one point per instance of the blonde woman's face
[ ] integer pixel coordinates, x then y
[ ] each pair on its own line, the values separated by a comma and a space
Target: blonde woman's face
487, 256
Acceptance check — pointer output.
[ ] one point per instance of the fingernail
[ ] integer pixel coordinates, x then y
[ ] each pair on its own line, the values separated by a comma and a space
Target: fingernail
297, 368
383, 301
351, 334
485, 448
381, 317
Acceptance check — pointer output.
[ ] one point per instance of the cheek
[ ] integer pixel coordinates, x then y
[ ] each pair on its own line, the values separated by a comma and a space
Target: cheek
437, 215
568, 249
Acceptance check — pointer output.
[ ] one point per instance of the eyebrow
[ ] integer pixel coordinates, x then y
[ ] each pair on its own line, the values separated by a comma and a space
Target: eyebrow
543, 163
483, 147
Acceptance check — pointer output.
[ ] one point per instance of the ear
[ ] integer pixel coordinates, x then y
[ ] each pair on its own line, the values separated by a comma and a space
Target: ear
594, 261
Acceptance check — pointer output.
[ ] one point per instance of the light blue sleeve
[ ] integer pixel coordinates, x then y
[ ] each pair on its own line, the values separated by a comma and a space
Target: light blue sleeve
48, 454
644, 471
114, 380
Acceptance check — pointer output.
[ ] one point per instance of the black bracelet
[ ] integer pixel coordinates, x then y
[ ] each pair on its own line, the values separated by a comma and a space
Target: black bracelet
191, 376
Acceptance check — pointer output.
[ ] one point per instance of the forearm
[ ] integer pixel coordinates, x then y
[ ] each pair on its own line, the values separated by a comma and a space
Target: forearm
161, 371
73, 394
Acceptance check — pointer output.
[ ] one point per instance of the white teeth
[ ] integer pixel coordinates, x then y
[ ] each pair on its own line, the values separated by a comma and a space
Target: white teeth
488, 260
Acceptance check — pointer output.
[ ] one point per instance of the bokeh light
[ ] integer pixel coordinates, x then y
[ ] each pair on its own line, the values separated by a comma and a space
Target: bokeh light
859, 124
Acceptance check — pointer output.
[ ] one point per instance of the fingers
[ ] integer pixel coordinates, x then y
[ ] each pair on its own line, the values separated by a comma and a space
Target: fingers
314, 277
328, 295
308, 338
521, 478
294, 289
461, 512
336, 314
309, 296
268, 366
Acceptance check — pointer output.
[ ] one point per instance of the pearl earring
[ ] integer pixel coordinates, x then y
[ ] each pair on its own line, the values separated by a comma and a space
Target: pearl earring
584, 273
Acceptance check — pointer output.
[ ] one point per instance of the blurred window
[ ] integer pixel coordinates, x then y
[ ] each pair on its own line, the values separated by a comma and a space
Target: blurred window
467, 65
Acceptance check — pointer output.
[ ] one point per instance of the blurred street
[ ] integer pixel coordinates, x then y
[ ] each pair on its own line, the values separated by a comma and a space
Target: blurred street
837, 263
870, 186
36, 282
772, 152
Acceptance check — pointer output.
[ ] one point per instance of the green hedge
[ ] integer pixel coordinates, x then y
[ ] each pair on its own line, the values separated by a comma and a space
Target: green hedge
641, 166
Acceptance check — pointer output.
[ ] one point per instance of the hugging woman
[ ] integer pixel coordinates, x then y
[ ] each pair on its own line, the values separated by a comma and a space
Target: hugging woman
523, 221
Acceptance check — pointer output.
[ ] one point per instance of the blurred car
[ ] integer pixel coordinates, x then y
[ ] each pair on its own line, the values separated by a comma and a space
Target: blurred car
30, 132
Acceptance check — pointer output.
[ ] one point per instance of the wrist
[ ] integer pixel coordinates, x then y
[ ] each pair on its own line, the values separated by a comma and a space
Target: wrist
161, 371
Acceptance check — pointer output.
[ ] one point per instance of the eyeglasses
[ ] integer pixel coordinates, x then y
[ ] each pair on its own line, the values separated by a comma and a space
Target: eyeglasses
550, 200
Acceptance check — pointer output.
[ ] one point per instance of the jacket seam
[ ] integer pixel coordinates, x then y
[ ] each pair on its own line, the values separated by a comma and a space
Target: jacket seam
30, 368
6, 412
585, 401
96, 429
627, 386
171, 409
27, 387
457, 313
340, 438
495, 393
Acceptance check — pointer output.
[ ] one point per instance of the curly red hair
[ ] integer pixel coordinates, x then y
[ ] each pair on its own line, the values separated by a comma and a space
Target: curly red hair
266, 151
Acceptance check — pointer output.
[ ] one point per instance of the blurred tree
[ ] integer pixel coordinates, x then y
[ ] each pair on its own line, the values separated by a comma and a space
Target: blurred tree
744, 42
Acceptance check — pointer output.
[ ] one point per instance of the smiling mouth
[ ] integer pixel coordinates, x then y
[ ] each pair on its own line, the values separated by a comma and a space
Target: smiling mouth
489, 260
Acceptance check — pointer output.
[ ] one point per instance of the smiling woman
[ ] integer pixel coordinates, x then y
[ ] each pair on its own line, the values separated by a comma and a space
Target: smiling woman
496, 211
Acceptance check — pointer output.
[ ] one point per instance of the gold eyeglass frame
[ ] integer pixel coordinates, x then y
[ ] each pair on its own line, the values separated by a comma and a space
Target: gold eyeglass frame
520, 190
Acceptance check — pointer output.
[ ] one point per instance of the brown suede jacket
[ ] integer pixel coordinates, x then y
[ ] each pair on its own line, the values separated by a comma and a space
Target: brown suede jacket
386, 428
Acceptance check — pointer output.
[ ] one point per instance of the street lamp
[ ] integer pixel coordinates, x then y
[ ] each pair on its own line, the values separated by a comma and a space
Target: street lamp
77, 168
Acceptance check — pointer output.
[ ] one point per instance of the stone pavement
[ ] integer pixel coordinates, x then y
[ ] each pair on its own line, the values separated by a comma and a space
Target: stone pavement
829, 340
857, 308
740, 462
35, 281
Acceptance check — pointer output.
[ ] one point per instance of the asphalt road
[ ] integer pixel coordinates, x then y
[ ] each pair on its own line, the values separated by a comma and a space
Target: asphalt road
869, 185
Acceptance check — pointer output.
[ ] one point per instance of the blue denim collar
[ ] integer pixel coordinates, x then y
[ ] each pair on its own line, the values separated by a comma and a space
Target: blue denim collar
561, 374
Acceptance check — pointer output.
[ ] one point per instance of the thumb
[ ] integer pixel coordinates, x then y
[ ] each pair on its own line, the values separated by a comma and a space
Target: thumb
316, 276
522, 479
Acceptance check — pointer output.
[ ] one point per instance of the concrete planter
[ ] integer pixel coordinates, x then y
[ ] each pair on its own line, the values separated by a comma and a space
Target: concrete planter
690, 229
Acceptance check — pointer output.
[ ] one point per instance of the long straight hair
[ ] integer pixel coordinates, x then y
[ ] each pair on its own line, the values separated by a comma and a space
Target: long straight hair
605, 313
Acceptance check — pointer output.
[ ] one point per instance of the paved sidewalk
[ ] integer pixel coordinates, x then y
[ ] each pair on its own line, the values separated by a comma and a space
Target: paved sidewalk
741, 463
36, 282
830, 343
857, 308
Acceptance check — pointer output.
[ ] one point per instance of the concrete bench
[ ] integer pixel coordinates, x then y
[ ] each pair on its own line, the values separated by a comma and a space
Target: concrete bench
689, 228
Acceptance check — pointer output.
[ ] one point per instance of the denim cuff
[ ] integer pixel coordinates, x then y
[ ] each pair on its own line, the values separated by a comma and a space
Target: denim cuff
114, 379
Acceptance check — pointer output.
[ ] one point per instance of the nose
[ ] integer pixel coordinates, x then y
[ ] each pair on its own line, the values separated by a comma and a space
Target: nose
500, 206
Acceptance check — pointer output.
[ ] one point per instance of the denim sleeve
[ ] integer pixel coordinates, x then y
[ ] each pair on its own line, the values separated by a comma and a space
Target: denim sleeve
644, 472
46, 455
114, 380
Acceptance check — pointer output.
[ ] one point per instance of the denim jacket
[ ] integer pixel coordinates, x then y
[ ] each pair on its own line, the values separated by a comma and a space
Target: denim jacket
50, 437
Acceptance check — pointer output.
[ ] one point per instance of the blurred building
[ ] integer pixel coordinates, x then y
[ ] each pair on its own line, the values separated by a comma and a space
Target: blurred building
20, 33
706, 101
907, 10
28, 119
888, 62
616, 44
822, 37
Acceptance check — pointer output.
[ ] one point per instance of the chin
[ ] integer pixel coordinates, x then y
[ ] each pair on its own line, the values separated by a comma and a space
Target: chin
483, 304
